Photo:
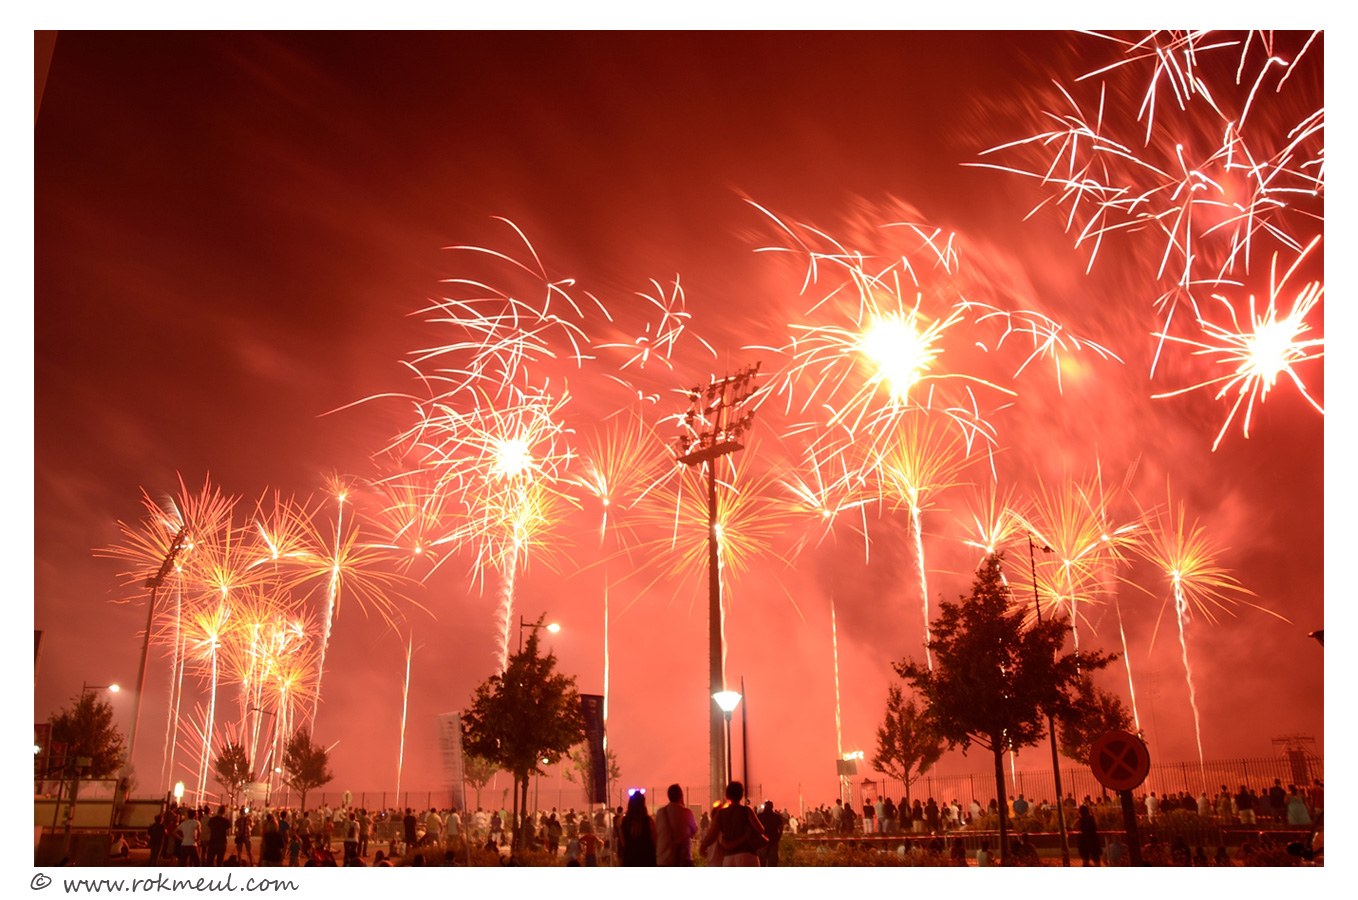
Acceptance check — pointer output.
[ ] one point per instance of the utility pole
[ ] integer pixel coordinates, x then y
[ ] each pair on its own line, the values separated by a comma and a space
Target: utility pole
713, 427
153, 582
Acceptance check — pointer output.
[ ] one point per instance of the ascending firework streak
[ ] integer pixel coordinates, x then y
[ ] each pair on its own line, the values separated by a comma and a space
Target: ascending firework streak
405, 698
621, 465
1115, 541
923, 459
1199, 585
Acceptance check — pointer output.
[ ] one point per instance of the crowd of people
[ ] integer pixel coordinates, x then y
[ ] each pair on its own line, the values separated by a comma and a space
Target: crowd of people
732, 834
883, 816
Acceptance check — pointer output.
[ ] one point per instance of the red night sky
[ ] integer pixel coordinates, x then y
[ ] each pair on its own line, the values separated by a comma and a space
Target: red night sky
235, 232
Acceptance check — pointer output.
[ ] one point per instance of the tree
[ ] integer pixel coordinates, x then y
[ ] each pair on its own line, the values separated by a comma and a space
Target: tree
523, 716
305, 767
232, 770
581, 768
1096, 712
993, 682
86, 728
478, 771
906, 746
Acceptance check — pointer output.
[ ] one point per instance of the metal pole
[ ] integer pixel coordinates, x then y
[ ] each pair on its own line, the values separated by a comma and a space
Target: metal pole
1051, 727
728, 741
720, 769
744, 740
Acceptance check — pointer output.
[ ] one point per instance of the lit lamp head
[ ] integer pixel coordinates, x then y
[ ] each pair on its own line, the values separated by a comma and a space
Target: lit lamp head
727, 700
554, 628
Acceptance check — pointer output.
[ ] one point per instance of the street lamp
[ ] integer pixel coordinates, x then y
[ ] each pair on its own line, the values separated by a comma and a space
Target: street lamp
111, 688
727, 700
553, 628
1051, 726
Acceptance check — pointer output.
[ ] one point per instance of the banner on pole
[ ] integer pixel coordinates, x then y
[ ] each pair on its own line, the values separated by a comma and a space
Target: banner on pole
450, 745
593, 707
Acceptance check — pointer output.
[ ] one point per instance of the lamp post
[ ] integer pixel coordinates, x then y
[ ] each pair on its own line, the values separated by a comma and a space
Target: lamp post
1051, 725
714, 426
553, 628
726, 701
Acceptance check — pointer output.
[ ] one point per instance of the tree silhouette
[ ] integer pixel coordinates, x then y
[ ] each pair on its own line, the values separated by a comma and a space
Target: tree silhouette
232, 770
305, 767
86, 728
523, 716
478, 771
993, 681
906, 746
1096, 712
581, 768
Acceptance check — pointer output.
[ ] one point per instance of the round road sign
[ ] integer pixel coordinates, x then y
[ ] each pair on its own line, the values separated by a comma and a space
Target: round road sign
1120, 760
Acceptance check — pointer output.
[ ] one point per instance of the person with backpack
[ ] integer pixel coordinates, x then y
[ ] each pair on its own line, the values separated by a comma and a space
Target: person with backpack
735, 831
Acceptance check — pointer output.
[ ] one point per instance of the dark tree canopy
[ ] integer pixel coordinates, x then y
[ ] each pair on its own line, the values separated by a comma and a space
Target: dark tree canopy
1096, 712
995, 682
906, 747
232, 769
305, 766
87, 729
524, 716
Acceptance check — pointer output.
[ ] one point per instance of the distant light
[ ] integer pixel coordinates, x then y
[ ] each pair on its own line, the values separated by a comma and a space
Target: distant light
554, 628
36, 749
179, 790
114, 688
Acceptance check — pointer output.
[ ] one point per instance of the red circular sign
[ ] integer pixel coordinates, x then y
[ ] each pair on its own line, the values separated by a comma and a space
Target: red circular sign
1120, 760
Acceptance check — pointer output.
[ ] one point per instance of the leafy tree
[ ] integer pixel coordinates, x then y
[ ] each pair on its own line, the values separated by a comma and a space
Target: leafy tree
993, 682
232, 770
1096, 712
305, 766
87, 729
478, 771
581, 770
523, 716
906, 746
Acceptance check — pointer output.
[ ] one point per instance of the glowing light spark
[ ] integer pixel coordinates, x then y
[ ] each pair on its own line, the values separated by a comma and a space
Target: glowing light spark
1267, 347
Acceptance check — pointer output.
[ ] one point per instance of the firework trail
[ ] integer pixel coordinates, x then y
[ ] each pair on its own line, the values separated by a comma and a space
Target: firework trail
823, 495
923, 459
622, 462
1186, 555
405, 697
1224, 170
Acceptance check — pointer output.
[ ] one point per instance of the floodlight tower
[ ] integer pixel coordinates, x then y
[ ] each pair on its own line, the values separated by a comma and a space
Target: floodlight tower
714, 427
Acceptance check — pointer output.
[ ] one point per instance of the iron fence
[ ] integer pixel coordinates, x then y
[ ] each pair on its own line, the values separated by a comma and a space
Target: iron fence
1079, 781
